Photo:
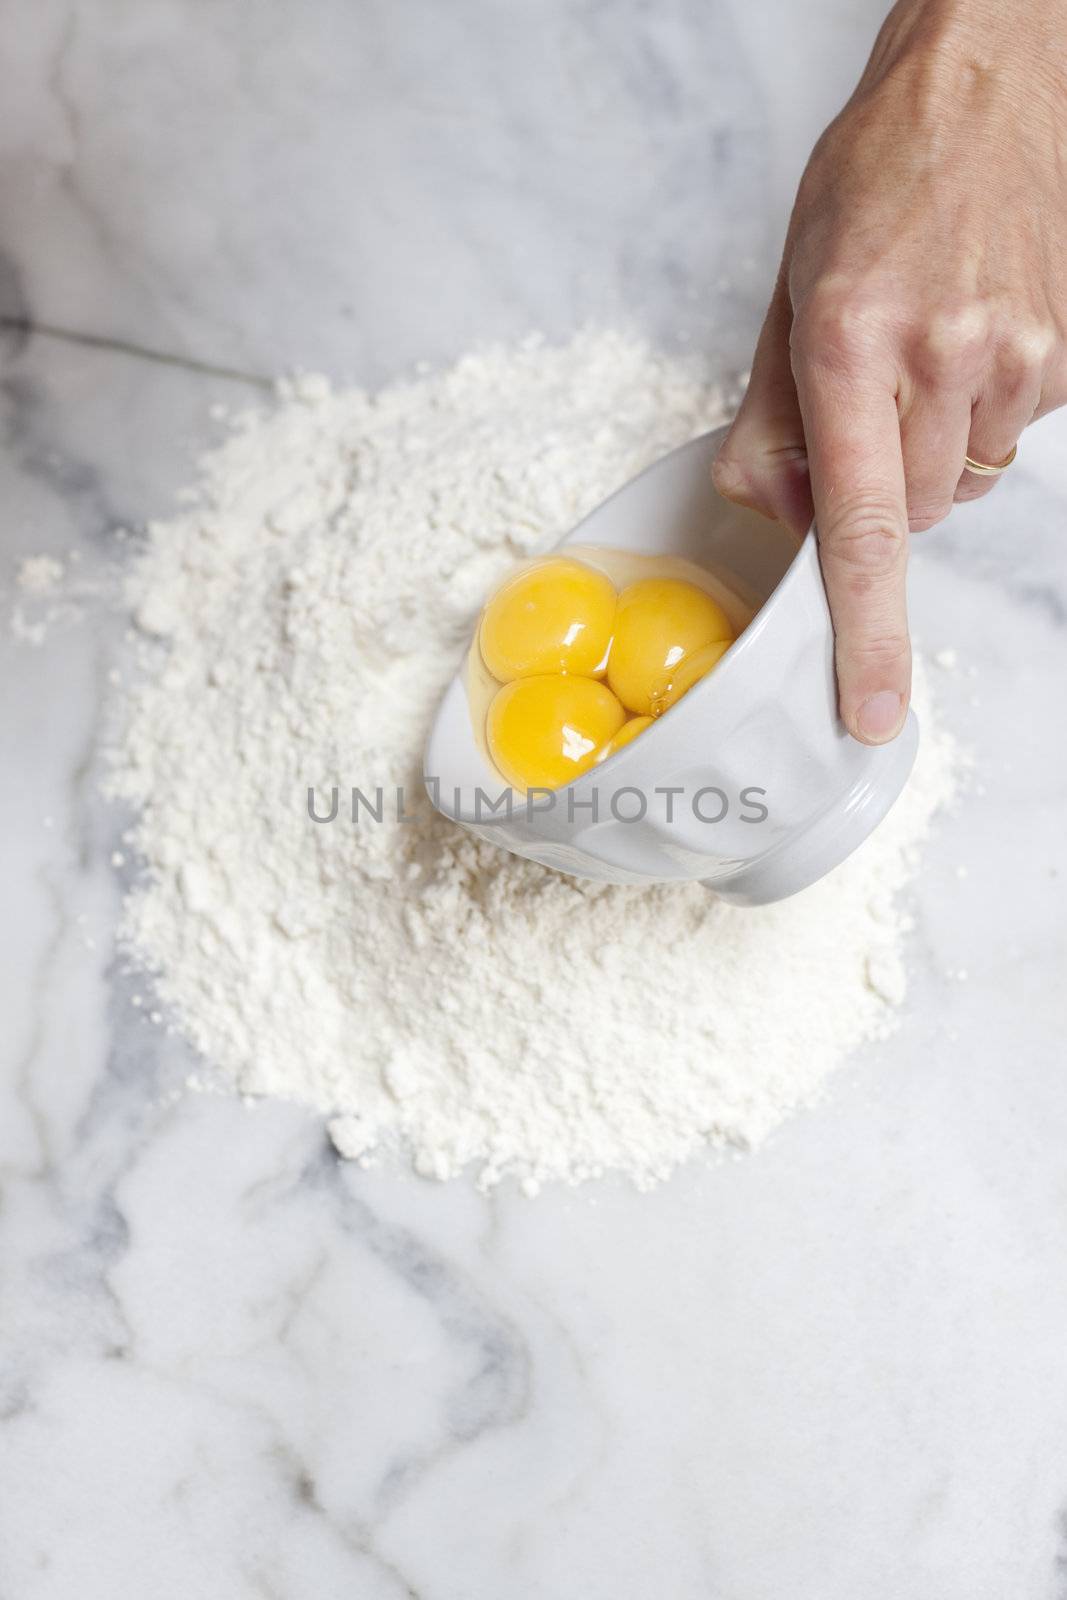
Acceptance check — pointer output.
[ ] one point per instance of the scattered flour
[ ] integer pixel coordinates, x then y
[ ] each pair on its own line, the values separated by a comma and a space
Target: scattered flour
52, 593
39, 575
431, 994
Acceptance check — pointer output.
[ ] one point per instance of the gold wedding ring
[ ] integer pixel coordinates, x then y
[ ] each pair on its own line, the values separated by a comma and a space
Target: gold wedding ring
982, 469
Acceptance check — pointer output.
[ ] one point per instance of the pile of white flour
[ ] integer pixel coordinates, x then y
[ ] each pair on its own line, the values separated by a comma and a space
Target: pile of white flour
433, 995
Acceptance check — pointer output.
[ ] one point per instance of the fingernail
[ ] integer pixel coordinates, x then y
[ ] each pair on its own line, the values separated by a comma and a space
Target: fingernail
880, 716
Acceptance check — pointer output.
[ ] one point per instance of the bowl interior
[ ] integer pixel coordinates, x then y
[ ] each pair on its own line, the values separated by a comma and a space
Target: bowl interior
672, 508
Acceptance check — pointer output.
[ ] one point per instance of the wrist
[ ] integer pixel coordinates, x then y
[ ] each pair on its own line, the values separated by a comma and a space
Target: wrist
1018, 47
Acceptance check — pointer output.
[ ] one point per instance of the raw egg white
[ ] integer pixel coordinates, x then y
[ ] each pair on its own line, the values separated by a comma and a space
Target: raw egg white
670, 688
628, 731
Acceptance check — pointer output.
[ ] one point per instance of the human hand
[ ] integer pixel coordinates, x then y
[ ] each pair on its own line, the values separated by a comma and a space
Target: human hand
919, 315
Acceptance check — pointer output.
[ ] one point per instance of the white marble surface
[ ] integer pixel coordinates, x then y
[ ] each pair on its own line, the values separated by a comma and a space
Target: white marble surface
231, 1367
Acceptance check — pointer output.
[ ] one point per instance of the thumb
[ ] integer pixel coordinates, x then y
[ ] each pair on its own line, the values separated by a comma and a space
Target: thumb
762, 462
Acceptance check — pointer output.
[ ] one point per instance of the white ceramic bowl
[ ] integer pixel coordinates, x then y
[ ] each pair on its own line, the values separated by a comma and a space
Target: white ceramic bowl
764, 720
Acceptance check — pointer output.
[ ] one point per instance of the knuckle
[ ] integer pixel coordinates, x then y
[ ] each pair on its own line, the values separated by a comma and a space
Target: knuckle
836, 326
1055, 385
975, 489
951, 344
879, 649
922, 519
728, 474
1023, 353
866, 539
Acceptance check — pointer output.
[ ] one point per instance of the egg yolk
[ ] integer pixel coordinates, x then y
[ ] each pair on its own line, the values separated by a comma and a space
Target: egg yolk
628, 731
553, 617
658, 623
543, 732
689, 670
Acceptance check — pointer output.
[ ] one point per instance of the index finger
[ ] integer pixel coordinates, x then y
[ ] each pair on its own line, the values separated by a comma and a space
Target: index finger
857, 477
